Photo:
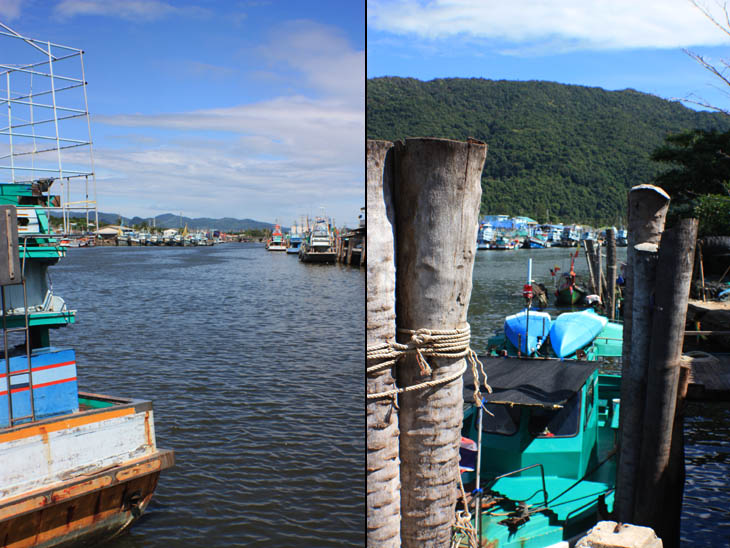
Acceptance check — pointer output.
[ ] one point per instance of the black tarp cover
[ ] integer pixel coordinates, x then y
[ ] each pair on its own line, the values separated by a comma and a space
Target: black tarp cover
543, 383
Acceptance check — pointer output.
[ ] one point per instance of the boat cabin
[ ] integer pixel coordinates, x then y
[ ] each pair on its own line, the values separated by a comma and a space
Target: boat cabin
548, 432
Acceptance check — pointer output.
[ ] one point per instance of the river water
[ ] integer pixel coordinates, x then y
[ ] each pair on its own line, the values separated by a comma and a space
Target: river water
254, 362
497, 292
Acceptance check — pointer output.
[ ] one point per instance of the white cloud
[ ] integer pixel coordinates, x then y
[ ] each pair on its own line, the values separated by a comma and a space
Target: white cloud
281, 157
325, 59
135, 10
10, 9
565, 24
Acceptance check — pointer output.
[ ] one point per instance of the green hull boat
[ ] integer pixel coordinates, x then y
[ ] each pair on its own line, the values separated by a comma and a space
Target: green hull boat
548, 442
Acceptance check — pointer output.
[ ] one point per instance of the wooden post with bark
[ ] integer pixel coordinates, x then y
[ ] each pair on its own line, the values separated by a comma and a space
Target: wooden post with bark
674, 276
647, 210
438, 191
590, 262
611, 273
383, 477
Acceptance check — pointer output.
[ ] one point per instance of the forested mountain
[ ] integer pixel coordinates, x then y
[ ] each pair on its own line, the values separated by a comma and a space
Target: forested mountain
556, 152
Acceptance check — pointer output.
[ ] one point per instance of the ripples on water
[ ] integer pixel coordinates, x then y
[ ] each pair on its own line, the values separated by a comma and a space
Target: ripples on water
254, 362
497, 292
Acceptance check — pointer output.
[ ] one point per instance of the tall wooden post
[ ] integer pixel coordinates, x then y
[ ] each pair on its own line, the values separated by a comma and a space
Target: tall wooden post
383, 477
438, 192
350, 245
611, 272
592, 275
647, 212
674, 276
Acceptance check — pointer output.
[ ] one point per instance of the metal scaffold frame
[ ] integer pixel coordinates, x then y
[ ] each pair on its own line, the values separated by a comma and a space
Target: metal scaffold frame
42, 112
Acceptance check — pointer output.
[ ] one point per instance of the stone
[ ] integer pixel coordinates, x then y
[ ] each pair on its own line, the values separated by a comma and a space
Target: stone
609, 534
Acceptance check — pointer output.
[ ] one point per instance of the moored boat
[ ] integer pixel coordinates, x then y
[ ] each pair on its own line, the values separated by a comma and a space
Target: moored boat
276, 242
78, 468
318, 245
294, 239
546, 464
568, 289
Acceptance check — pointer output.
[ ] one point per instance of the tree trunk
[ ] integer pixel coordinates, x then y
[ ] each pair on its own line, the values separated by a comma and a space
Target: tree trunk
438, 191
647, 212
383, 477
674, 275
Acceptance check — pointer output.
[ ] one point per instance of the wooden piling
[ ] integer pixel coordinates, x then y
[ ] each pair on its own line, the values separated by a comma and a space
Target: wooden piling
383, 476
674, 276
647, 210
611, 273
588, 248
438, 191
350, 245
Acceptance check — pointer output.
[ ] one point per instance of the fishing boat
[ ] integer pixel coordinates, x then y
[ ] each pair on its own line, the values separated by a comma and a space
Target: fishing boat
545, 468
485, 236
294, 239
318, 245
527, 330
568, 289
570, 236
77, 468
501, 242
276, 242
572, 331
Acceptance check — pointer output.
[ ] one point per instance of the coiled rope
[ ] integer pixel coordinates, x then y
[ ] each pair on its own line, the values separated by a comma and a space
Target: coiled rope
427, 343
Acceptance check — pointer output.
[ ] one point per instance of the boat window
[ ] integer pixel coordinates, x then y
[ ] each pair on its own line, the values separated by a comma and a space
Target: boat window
505, 419
553, 423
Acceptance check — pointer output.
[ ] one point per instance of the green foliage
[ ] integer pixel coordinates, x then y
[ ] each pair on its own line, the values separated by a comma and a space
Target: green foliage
700, 164
567, 153
713, 212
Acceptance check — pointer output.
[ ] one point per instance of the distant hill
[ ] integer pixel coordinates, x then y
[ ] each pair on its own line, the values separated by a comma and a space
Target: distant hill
169, 220
557, 152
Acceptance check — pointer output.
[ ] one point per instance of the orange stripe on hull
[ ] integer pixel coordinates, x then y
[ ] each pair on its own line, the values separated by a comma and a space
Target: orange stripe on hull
65, 423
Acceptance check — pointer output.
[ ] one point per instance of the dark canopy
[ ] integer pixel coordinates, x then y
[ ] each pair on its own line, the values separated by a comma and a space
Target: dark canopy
543, 383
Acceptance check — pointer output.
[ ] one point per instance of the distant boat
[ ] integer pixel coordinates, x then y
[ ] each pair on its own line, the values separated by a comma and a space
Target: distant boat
485, 236
568, 290
276, 242
502, 243
318, 245
527, 330
294, 239
571, 331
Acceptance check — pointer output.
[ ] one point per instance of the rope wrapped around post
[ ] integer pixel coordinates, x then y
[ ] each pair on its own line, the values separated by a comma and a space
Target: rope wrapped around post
452, 343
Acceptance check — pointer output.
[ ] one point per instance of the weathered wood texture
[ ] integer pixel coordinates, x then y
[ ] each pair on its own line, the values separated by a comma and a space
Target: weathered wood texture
438, 192
611, 273
674, 275
383, 476
590, 263
647, 210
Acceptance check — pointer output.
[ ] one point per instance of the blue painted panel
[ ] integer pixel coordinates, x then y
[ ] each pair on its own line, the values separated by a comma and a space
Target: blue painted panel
54, 379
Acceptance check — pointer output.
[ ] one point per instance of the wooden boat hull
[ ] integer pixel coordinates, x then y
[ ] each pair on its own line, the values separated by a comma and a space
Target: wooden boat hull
85, 511
79, 478
572, 331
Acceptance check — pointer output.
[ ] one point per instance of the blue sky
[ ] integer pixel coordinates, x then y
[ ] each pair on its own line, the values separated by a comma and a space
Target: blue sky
217, 108
616, 44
